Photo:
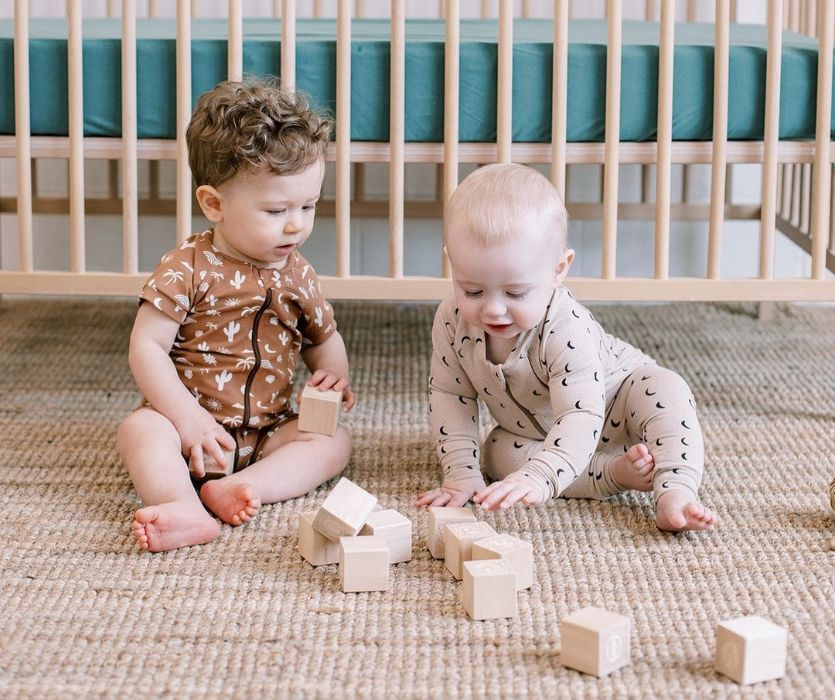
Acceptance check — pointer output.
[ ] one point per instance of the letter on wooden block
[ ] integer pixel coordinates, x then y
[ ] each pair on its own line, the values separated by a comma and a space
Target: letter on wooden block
751, 649
439, 518
319, 410
363, 564
595, 641
344, 511
395, 528
314, 546
213, 469
458, 543
489, 589
518, 553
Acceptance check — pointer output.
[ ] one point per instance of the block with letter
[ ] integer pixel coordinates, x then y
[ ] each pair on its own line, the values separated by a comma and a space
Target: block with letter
213, 469
595, 641
314, 546
344, 511
489, 589
395, 528
319, 410
458, 544
751, 649
439, 518
516, 552
363, 564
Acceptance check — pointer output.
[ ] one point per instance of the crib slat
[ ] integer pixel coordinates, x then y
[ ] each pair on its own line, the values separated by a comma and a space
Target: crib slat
720, 139
559, 96
504, 120
130, 189
397, 136
23, 148
288, 44
235, 44
772, 135
76, 135
614, 14
343, 138
823, 169
665, 139
184, 194
452, 42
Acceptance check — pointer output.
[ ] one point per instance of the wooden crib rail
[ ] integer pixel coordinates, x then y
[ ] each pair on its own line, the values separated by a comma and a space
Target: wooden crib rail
797, 183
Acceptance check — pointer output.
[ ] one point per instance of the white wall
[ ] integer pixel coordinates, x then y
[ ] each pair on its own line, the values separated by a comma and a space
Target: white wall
688, 243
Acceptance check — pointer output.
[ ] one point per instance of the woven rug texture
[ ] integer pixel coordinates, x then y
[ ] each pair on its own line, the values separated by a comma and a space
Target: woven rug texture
84, 613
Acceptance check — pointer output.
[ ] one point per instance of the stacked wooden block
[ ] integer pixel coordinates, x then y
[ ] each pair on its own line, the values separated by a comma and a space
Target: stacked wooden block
492, 566
351, 530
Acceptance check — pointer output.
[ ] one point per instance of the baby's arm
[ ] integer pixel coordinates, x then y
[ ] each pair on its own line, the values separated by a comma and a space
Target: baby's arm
578, 399
151, 340
328, 364
453, 415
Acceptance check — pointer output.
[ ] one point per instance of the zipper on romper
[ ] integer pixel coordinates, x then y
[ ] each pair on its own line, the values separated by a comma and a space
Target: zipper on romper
524, 410
251, 377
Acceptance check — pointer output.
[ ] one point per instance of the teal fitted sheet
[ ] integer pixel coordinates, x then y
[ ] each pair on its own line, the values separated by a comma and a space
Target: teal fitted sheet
316, 75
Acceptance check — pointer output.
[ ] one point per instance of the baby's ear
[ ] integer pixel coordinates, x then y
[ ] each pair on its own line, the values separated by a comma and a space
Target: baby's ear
210, 202
562, 266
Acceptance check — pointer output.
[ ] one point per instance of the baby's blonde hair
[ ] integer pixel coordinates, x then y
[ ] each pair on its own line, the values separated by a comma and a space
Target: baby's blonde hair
502, 202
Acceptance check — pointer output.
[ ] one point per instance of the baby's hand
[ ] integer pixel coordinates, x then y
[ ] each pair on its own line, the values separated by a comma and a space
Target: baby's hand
324, 380
451, 494
514, 487
200, 434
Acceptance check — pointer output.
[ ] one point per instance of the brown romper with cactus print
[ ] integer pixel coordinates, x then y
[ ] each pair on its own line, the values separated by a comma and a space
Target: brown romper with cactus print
242, 328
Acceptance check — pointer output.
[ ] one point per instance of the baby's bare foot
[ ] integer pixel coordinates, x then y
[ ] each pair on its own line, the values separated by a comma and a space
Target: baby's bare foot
172, 525
633, 470
233, 501
676, 510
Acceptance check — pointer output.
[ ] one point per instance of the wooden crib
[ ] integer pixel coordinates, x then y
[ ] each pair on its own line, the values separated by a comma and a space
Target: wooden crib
797, 184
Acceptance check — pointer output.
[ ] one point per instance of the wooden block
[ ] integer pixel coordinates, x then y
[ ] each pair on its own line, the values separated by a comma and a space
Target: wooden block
213, 469
458, 543
319, 410
595, 641
439, 518
489, 589
314, 546
518, 553
751, 649
363, 564
832, 544
395, 528
344, 511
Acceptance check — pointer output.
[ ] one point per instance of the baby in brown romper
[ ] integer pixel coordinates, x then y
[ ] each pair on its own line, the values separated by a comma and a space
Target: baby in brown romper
223, 320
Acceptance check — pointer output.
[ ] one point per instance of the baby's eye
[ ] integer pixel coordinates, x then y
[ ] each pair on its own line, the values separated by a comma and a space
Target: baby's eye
309, 207
516, 295
275, 212
472, 294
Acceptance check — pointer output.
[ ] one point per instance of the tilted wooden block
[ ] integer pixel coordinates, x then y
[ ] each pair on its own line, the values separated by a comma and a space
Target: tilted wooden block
751, 649
344, 511
213, 469
319, 410
595, 641
439, 518
363, 564
516, 552
458, 543
489, 589
395, 528
314, 546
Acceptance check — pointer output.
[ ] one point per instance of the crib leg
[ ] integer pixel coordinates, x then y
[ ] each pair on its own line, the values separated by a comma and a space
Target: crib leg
767, 311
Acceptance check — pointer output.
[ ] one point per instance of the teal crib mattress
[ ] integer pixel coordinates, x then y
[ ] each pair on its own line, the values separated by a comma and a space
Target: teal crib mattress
316, 75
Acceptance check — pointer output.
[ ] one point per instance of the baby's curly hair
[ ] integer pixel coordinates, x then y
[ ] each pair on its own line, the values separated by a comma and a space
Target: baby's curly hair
253, 126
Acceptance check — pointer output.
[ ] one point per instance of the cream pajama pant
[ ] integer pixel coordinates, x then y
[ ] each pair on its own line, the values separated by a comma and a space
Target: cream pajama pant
654, 405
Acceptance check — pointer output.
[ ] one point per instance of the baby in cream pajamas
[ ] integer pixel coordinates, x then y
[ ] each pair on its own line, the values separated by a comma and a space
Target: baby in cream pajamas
580, 413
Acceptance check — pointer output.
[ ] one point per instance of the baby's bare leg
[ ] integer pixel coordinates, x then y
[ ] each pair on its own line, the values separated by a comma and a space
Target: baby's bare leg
292, 464
173, 516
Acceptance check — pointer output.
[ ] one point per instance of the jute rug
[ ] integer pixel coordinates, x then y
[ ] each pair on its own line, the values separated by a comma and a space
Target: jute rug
84, 614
